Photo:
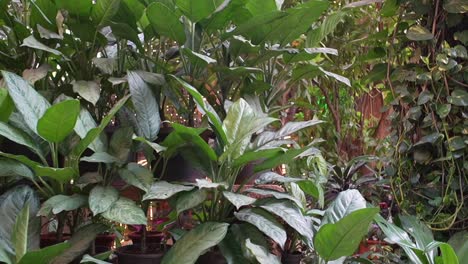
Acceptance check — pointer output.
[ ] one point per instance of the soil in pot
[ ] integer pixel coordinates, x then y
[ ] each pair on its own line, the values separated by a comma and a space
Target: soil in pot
132, 254
291, 258
212, 257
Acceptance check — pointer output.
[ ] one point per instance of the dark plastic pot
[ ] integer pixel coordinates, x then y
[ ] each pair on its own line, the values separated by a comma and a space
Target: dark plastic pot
131, 255
104, 242
152, 237
291, 258
211, 257
50, 239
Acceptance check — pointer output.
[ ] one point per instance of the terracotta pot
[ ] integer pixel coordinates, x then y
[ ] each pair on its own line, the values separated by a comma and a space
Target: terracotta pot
291, 258
152, 237
131, 254
212, 257
50, 239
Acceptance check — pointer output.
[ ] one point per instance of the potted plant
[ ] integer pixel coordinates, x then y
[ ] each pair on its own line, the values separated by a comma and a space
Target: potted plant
57, 181
224, 213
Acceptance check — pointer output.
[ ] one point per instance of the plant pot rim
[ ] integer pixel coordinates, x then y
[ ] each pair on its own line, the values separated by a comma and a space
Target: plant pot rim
123, 251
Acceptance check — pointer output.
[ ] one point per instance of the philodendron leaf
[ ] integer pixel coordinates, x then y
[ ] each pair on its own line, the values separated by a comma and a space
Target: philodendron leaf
293, 216
80, 242
265, 222
89, 90
270, 176
20, 233
102, 198
29, 103
239, 200
418, 33
345, 203
20, 137
194, 243
343, 237
89, 259
44, 255
125, 211
146, 106
162, 190
277, 195
58, 121
137, 175
188, 200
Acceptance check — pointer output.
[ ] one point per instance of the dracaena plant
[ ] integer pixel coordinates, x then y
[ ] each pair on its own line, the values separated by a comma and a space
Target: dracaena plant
227, 217
48, 131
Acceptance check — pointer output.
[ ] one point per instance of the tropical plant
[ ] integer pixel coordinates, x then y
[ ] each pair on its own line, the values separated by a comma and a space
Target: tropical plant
215, 201
36, 122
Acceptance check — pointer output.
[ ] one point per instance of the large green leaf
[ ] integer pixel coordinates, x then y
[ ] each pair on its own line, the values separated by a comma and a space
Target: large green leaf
293, 216
419, 231
100, 157
44, 255
345, 203
32, 42
101, 198
239, 125
120, 145
276, 194
187, 249
125, 211
80, 242
84, 124
269, 177
13, 168
262, 255
197, 10
55, 125
88, 90
137, 175
103, 11
446, 251
459, 242
29, 103
20, 137
146, 106
231, 249
6, 105
59, 174
80, 8
166, 22
93, 133
12, 203
162, 190
20, 233
239, 200
191, 199
419, 33
189, 134
205, 109
264, 222
59, 203
343, 237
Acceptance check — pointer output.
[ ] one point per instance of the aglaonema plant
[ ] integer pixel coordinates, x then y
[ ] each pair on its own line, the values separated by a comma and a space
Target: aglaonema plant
46, 130
227, 217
